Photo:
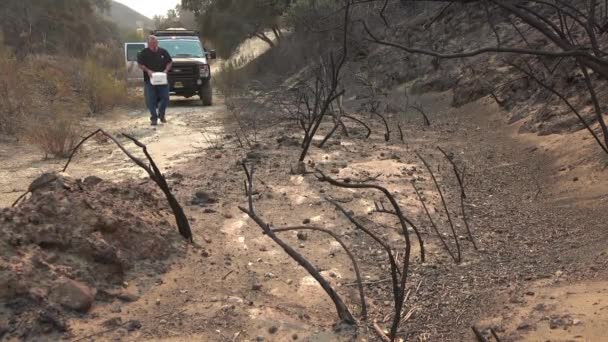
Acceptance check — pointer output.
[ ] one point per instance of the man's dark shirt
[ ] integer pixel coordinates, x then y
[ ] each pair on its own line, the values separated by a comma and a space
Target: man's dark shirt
155, 61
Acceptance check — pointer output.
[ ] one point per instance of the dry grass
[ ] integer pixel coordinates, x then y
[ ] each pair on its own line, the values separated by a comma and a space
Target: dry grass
101, 90
44, 98
55, 136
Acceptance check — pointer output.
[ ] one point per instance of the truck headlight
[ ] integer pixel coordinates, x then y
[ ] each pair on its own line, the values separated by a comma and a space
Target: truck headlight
204, 70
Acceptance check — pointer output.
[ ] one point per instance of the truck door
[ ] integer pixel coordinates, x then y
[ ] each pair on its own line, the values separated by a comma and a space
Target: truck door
134, 74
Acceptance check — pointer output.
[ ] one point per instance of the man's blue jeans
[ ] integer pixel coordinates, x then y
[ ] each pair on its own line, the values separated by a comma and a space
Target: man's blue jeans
156, 96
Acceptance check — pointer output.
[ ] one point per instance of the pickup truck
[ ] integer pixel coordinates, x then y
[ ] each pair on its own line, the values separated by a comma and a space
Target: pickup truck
190, 74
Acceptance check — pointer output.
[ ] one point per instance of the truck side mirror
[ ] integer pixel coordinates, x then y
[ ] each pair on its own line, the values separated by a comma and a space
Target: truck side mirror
211, 54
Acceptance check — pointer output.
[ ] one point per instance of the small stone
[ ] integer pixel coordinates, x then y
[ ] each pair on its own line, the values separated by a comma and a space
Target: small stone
273, 329
133, 325
289, 281
127, 296
256, 287
205, 254
263, 249
302, 236
306, 221
523, 326
530, 293
576, 322
157, 301
294, 337
575, 179
218, 156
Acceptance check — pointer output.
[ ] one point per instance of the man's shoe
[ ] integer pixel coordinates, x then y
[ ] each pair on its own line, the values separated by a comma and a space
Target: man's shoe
153, 122
163, 120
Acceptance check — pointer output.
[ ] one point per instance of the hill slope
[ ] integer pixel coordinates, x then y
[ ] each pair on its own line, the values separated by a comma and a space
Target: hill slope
126, 17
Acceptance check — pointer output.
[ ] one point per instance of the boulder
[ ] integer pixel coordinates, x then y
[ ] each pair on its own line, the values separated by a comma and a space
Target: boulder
74, 295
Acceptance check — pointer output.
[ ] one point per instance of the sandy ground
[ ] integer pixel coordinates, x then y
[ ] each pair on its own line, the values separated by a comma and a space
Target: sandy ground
537, 208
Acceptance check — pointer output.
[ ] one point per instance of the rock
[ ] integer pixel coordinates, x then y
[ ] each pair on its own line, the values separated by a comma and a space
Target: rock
91, 181
294, 337
529, 293
74, 295
112, 322
298, 168
157, 301
523, 326
133, 325
302, 236
233, 299
203, 198
289, 281
306, 221
127, 296
51, 317
254, 155
256, 287
273, 329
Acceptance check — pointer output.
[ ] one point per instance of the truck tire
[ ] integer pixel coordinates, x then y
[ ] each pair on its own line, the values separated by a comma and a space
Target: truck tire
206, 93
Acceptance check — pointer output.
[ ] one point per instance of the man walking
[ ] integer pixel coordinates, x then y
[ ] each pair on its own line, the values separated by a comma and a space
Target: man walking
155, 59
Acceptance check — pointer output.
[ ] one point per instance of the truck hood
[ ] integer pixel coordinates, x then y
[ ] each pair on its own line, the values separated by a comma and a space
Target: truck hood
190, 60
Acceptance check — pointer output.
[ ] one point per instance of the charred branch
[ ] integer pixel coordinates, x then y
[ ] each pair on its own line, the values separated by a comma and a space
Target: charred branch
153, 171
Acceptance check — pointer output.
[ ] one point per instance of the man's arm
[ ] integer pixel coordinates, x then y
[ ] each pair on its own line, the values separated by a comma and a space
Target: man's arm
170, 64
168, 67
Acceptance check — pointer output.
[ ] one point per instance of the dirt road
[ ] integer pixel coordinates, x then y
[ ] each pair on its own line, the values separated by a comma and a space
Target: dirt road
191, 129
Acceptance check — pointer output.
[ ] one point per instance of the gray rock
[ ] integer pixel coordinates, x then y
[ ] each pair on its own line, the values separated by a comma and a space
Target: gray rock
74, 295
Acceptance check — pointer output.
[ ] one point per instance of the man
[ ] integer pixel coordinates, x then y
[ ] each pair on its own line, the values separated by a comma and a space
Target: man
155, 59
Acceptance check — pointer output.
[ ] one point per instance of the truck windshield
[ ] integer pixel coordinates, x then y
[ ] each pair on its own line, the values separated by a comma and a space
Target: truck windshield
182, 48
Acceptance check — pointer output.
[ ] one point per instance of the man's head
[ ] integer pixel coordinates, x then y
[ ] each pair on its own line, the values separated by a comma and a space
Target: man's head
152, 43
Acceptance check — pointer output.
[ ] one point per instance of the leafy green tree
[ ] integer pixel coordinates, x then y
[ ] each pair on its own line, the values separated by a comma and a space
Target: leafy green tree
227, 23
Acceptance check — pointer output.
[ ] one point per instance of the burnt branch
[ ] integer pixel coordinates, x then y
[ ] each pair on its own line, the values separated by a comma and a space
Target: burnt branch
155, 174
445, 206
341, 308
369, 131
398, 289
463, 195
348, 252
419, 109
433, 224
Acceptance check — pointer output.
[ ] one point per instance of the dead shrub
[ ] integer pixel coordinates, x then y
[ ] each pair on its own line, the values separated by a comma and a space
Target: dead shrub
102, 91
13, 95
232, 76
55, 134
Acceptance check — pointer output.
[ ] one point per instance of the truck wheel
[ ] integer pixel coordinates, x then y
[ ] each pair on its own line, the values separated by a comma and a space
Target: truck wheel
206, 94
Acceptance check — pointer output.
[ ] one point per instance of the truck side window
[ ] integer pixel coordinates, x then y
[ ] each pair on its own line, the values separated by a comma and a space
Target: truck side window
133, 50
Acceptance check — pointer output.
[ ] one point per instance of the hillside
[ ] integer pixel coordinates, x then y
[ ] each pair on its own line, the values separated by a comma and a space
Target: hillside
126, 17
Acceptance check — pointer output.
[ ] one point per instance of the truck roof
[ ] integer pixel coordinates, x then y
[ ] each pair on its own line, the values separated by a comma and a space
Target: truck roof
175, 32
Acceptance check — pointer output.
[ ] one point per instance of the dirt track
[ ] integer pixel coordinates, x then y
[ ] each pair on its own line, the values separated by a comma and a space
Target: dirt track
538, 230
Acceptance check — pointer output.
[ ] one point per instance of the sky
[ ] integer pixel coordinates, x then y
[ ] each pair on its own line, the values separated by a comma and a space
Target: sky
149, 8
